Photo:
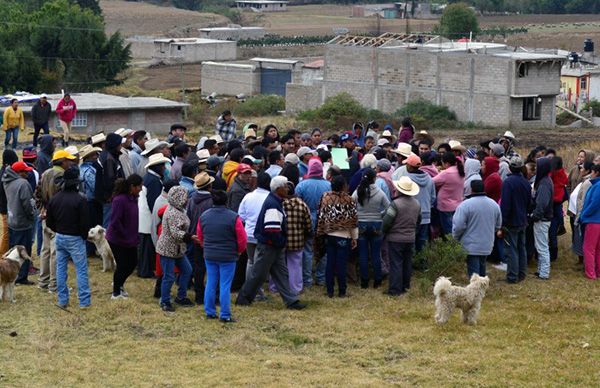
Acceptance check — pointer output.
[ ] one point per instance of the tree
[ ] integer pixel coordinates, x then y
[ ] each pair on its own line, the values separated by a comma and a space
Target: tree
458, 21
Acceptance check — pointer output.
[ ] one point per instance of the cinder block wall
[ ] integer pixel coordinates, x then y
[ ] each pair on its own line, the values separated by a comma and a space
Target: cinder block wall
229, 79
300, 97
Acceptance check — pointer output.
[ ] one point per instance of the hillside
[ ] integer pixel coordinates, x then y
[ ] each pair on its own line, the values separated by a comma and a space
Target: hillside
133, 18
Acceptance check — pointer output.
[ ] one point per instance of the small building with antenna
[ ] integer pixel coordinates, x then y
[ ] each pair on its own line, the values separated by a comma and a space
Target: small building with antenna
487, 83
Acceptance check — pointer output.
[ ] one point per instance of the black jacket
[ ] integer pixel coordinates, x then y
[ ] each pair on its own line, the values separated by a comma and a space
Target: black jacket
108, 170
44, 157
68, 214
41, 114
219, 183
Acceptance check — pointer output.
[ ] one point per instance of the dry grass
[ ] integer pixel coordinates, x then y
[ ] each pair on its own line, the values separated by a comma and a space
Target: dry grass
535, 333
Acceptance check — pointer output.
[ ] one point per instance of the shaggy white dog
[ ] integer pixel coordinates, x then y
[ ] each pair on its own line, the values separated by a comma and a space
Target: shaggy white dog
468, 299
97, 236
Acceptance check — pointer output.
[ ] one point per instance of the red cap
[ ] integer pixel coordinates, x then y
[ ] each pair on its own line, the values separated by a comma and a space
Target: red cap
21, 167
242, 168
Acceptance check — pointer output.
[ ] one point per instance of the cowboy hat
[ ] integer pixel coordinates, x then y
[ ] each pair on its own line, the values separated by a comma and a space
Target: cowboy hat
406, 186
509, 135
456, 146
423, 135
152, 144
156, 159
98, 138
87, 150
202, 180
72, 150
249, 133
124, 132
218, 138
404, 149
203, 155
387, 133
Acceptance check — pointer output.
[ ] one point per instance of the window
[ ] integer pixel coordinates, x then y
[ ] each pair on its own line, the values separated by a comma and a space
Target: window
532, 108
584, 83
179, 47
523, 70
80, 120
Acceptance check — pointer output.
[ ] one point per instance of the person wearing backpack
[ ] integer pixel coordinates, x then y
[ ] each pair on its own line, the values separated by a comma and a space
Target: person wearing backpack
108, 170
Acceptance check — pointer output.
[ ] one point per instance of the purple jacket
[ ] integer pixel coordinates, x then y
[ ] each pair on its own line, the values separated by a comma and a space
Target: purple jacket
123, 225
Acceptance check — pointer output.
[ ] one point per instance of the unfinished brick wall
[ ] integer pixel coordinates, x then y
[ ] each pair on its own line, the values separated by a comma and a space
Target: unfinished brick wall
229, 79
302, 97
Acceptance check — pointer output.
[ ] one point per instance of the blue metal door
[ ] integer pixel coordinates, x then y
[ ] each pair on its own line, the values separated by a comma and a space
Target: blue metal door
272, 81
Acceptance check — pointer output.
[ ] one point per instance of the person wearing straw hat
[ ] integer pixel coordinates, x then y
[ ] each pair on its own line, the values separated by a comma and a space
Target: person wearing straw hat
98, 140
87, 174
61, 161
401, 220
200, 201
152, 146
403, 151
75, 152
151, 189
126, 150
426, 198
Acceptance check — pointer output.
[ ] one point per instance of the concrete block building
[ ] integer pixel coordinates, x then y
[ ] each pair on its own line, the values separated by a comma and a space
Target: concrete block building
485, 83
232, 32
193, 50
103, 112
262, 5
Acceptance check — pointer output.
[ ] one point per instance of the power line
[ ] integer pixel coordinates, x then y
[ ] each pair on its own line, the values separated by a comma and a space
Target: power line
50, 27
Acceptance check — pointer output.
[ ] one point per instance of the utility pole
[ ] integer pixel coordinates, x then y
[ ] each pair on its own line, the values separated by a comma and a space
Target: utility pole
182, 80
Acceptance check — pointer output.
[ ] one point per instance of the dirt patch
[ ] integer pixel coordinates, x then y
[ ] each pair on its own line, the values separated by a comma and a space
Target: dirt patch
132, 18
169, 77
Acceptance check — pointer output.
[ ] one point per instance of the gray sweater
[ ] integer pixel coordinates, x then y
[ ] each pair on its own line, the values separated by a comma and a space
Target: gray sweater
374, 208
401, 219
19, 200
475, 223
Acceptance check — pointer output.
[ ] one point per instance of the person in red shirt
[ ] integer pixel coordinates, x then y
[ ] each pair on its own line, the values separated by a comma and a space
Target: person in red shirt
560, 180
66, 111
491, 179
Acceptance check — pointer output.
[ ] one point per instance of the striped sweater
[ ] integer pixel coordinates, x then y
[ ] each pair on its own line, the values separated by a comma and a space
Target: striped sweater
271, 225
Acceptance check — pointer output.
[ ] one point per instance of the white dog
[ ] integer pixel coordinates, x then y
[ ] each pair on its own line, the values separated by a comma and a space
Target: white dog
97, 236
10, 264
468, 298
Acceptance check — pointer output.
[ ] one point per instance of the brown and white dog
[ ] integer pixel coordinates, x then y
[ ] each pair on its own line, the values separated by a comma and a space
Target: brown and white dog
97, 236
9, 270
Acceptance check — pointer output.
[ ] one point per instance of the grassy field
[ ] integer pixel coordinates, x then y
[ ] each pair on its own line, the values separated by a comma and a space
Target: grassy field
536, 334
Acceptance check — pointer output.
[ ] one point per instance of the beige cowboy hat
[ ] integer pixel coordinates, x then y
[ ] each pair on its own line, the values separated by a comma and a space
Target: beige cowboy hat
218, 138
72, 150
202, 180
153, 144
157, 159
250, 132
387, 133
124, 132
457, 146
203, 155
404, 149
87, 150
406, 186
98, 138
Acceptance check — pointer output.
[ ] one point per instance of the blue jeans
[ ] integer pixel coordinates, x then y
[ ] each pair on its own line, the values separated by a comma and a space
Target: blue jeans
73, 247
106, 212
516, 254
21, 237
307, 259
338, 251
446, 222
540, 234
475, 264
39, 235
218, 274
369, 244
185, 272
422, 237
14, 132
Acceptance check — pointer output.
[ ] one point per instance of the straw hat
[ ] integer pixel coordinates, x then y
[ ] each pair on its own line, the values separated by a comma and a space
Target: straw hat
218, 138
249, 133
152, 144
124, 132
203, 156
456, 146
406, 186
72, 150
387, 133
509, 135
202, 180
99, 138
87, 150
404, 149
157, 159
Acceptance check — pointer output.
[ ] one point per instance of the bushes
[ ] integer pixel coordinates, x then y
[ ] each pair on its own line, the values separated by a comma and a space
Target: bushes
262, 105
426, 114
441, 258
337, 111
595, 105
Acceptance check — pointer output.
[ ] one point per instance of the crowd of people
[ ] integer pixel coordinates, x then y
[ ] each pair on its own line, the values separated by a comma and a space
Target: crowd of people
258, 212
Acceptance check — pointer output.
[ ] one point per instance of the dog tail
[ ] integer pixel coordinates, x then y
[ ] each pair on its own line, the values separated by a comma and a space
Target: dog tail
442, 285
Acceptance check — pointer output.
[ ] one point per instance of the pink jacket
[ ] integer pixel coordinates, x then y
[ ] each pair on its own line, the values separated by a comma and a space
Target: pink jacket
449, 185
430, 170
66, 110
